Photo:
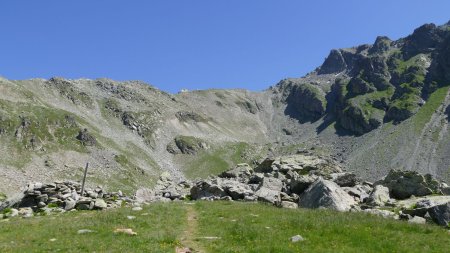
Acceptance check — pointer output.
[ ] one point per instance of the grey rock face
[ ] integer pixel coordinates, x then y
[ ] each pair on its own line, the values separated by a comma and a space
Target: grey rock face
441, 214
404, 184
326, 194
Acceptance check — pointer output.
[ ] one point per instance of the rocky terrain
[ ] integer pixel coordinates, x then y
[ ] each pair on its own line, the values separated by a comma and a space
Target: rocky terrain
302, 180
370, 109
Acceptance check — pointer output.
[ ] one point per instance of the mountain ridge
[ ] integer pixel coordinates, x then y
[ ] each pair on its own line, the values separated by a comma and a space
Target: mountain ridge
373, 107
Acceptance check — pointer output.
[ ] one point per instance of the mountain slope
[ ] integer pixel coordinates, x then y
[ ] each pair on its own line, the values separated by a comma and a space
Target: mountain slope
374, 107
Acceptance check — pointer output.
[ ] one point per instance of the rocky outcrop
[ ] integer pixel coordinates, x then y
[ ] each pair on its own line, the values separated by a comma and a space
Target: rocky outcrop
186, 145
86, 138
306, 102
334, 63
404, 184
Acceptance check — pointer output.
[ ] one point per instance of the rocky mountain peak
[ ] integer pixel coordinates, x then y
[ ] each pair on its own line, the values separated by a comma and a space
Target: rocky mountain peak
334, 63
382, 44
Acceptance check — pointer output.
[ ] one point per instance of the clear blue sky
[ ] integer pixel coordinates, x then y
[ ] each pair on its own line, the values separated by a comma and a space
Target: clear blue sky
195, 44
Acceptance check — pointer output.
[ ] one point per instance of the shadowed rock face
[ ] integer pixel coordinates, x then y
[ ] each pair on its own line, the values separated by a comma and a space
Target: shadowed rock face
306, 103
386, 81
334, 63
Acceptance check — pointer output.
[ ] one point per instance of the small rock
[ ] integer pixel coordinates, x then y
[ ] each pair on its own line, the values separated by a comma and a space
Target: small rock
100, 204
209, 237
127, 231
297, 238
69, 204
85, 231
26, 212
289, 204
53, 240
130, 217
183, 250
417, 220
137, 208
12, 213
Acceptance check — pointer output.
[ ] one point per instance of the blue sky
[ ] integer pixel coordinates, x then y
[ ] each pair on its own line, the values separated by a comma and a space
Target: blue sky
196, 44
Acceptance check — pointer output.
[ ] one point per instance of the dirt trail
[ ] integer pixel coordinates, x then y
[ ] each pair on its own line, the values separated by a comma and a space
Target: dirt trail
188, 239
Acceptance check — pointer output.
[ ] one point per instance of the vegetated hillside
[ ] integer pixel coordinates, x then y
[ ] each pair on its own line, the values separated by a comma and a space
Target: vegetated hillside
374, 107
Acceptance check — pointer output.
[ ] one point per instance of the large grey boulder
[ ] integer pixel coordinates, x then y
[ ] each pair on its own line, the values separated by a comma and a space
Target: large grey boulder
269, 190
326, 194
268, 195
207, 190
144, 195
241, 171
441, 214
379, 196
236, 190
404, 184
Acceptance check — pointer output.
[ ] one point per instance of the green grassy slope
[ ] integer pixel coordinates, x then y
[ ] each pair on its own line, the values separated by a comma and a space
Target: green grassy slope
237, 227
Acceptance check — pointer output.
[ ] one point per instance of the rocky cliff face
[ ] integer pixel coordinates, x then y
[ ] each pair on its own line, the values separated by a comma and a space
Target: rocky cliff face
372, 107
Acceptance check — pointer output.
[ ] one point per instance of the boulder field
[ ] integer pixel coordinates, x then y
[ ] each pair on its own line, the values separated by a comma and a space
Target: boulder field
304, 180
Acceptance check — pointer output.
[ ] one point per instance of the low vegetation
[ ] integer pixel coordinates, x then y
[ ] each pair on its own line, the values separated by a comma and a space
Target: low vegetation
219, 227
217, 160
159, 228
426, 111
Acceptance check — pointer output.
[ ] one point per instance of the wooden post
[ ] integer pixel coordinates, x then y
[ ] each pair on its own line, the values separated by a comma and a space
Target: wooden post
84, 178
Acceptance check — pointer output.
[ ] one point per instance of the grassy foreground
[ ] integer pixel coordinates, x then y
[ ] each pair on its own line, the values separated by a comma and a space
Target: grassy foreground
219, 227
